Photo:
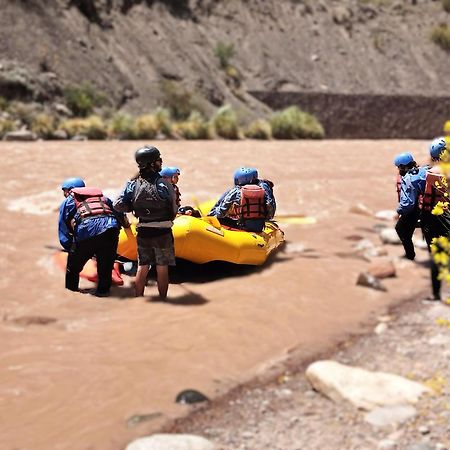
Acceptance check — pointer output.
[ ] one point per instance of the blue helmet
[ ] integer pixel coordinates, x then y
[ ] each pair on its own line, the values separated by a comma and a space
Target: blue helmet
74, 182
169, 171
244, 175
437, 147
403, 159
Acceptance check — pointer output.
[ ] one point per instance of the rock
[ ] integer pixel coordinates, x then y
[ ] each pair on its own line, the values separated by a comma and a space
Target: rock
79, 137
62, 109
367, 280
341, 14
389, 236
389, 415
33, 320
420, 446
60, 134
388, 215
136, 419
424, 429
189, 396
364, 389
171, 442
382, 268
386, 444
20, 135
360, 208
420, 243
380, 328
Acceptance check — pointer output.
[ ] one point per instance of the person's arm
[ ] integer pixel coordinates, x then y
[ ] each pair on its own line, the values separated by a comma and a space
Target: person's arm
120, 216
231, 198
124, 202
66, 212
269, 198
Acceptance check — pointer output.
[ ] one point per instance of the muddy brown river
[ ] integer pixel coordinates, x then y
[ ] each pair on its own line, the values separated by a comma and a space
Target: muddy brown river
75, 368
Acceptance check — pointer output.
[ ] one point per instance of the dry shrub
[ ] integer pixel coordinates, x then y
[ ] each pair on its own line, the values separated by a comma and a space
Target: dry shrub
43, 125
25, 112
164, 119
440, 35
259, 129
147, 126
293, 123
92, 127
122, 126
225, 123
195, 127
6, 125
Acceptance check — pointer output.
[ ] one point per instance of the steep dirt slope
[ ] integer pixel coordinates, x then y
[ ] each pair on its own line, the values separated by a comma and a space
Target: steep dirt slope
128, 47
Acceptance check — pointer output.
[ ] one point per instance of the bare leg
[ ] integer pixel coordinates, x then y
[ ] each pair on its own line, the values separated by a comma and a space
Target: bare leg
141, 280
162, 278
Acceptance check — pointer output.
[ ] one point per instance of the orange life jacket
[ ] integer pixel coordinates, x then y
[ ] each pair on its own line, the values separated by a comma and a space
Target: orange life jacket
434, 189
252, 205
90, 202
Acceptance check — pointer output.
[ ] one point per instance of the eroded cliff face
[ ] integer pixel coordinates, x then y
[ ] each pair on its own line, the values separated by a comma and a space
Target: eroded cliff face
129, 48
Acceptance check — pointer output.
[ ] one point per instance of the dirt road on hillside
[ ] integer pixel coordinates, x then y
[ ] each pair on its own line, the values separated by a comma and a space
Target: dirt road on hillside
74, 368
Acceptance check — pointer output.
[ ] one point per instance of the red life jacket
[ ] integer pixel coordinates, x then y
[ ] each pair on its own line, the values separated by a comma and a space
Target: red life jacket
434, 190
252, 205
90, 202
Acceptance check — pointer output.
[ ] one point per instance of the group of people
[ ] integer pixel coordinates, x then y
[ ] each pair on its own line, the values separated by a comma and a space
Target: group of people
89, 222
420, 190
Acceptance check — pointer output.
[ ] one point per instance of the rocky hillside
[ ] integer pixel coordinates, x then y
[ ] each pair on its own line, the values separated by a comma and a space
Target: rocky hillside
141, 52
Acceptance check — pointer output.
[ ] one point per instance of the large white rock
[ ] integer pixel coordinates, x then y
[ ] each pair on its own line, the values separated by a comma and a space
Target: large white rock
389, 236
171, 442
387, 214
364, 389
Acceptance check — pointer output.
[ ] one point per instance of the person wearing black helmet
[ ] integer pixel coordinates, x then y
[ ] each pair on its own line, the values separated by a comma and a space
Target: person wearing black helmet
152, 200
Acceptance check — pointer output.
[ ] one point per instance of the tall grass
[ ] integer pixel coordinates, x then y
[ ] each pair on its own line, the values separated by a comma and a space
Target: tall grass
259, 129
147, 126
6, 125
446, 5
43, 125
293, 123
195, 127
122, 126
81, 99
92, 127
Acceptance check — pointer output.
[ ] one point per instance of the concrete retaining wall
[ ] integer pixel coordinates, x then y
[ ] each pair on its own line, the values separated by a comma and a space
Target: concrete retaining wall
368, 116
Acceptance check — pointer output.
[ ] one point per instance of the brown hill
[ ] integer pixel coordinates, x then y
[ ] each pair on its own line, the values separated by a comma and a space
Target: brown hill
142, 52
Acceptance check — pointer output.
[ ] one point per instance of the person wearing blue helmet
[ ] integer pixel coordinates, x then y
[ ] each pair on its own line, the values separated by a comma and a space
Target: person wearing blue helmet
433, 225
246, 205
409, 194
172, 175
88, 226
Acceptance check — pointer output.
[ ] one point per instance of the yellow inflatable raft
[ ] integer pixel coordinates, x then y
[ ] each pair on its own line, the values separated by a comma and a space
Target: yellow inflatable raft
203, 240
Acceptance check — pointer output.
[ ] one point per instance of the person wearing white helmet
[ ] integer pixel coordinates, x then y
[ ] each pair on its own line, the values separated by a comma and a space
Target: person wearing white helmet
409, 190
433, 225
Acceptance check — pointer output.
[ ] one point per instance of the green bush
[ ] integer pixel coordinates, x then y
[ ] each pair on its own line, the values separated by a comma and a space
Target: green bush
259, 129
43, 125
178, 100
81, 99
6, 125
224, 53
147, 127
446, 5
225, 123
3, 104
292, 123
92, 127
440, 35
195, 127
164, 121
122, 126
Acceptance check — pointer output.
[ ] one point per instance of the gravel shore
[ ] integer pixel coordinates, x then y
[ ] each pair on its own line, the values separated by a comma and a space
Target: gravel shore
413, 341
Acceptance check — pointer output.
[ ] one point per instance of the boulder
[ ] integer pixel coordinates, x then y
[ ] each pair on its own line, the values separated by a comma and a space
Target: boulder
387, 214
171, 442
360, 208
389, 236
367, 280
20, 135
382, 268
362, 388
389, 415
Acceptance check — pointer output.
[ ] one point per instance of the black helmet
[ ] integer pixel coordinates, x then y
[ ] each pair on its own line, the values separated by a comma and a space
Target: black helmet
147, 155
